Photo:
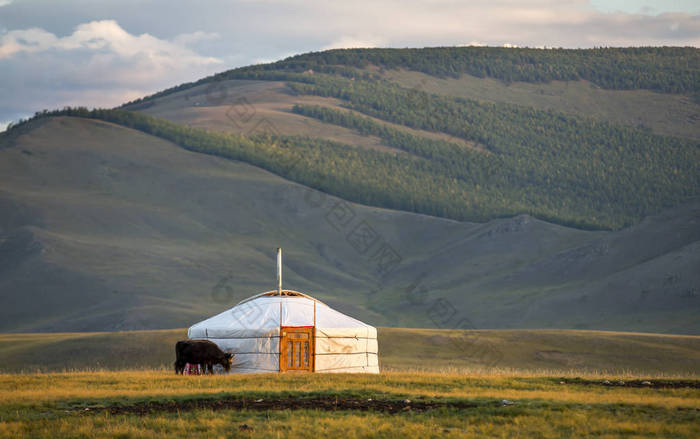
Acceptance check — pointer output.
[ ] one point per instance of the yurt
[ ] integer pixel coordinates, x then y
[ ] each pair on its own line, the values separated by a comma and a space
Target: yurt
288, 331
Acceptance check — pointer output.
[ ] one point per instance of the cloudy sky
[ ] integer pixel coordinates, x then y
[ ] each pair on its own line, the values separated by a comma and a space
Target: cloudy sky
105, 52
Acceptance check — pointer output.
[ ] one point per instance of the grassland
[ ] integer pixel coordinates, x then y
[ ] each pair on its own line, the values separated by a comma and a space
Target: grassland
434, 383
401, 350
398, 404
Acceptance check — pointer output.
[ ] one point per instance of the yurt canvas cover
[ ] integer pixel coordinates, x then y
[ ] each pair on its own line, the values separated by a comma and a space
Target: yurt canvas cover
291, 331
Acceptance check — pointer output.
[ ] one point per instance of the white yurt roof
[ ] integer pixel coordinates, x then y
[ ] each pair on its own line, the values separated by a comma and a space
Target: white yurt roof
264, 314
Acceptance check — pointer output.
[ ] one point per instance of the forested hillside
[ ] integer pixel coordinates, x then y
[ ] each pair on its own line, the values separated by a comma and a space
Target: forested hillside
665, 69
673, 70
564, 168
560, 167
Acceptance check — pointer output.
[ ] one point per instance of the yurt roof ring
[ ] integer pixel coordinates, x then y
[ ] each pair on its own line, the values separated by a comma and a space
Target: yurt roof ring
287, 293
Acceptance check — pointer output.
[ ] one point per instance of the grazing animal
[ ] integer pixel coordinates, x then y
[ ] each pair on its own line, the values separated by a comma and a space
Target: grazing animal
202, 352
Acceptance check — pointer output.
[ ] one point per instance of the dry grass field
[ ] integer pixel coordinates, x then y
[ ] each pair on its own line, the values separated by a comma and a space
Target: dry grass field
434, 383
394, 404
401, 349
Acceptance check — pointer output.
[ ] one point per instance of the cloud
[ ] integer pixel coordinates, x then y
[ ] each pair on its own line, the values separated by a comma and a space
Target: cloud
107, 36
29, 40
98, 64
5, 3
195, 37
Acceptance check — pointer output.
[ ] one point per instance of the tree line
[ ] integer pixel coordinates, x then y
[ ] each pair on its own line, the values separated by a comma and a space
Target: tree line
597, 186
663, 69
604, 173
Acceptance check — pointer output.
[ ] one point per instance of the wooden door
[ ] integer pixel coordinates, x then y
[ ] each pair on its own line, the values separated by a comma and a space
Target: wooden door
297, 349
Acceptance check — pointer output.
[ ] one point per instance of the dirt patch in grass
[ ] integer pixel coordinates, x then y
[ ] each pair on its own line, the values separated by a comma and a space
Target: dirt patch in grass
320, 403
651, 384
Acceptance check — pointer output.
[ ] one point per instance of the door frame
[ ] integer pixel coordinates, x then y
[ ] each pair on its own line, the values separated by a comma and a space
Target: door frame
284, 330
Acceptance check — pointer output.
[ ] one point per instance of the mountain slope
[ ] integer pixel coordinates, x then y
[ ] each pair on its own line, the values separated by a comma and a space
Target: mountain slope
588, 160
652, 88
108, 228
670, 114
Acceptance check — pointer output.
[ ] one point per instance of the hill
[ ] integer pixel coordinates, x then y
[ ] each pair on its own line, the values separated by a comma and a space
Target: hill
401, 349
475, 133
109, 228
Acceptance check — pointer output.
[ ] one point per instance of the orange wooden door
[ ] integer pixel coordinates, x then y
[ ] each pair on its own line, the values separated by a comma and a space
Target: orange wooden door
296, 349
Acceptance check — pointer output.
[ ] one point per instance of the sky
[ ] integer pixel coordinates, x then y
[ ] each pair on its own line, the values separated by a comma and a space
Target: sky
101, 53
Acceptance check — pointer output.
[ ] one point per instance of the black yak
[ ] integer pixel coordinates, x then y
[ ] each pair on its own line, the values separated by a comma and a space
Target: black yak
202, 352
